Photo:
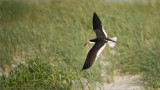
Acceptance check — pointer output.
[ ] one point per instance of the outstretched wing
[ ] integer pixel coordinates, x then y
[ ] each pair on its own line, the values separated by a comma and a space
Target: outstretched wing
98, 28
94, 53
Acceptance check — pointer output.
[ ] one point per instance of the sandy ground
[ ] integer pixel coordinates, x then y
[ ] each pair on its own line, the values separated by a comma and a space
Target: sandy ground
127, 82
124, 83
120, 82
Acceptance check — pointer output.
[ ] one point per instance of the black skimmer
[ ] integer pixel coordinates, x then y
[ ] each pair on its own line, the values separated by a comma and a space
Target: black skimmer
100, 42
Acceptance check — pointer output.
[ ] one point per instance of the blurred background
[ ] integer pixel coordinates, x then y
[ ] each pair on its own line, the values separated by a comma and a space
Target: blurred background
41, 43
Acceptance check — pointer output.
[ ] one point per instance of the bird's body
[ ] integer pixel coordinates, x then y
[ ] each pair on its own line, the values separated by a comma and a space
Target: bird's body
100, 42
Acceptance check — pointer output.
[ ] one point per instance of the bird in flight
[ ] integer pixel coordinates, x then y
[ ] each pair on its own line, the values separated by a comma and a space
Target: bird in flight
99, 42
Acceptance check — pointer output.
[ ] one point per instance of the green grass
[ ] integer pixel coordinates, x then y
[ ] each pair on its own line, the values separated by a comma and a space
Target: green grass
38, 74
54, 32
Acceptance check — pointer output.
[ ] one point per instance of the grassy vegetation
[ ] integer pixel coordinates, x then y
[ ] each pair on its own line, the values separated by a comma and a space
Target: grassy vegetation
38, 74
49, 36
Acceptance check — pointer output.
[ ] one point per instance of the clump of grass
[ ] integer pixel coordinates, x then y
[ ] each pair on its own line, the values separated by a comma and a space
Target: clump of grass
38, 74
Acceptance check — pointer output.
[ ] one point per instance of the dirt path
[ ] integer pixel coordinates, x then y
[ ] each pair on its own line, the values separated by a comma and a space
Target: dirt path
124, 83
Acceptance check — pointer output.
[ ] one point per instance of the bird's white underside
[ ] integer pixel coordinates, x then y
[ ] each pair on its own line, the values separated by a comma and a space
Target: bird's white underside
104, 32
99, 51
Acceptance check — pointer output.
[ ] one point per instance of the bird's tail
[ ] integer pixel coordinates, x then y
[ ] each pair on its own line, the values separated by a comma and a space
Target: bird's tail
111, 43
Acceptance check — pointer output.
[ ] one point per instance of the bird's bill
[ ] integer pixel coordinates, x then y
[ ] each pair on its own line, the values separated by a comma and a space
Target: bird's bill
86, 44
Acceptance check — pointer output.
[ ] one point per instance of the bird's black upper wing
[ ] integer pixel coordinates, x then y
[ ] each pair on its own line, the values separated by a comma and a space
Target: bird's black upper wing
97, 27
93, 54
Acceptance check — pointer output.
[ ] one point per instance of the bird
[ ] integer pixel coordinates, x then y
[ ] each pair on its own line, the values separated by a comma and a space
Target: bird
99, 42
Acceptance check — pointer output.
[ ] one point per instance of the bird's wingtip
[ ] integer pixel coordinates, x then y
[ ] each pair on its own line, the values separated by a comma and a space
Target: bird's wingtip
94, 13
84, 68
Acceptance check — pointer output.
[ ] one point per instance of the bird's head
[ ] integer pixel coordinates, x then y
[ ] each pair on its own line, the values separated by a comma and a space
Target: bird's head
88, 42
92, 41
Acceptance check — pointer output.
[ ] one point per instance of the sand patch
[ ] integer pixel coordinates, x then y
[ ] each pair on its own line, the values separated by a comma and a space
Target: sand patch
126, 82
